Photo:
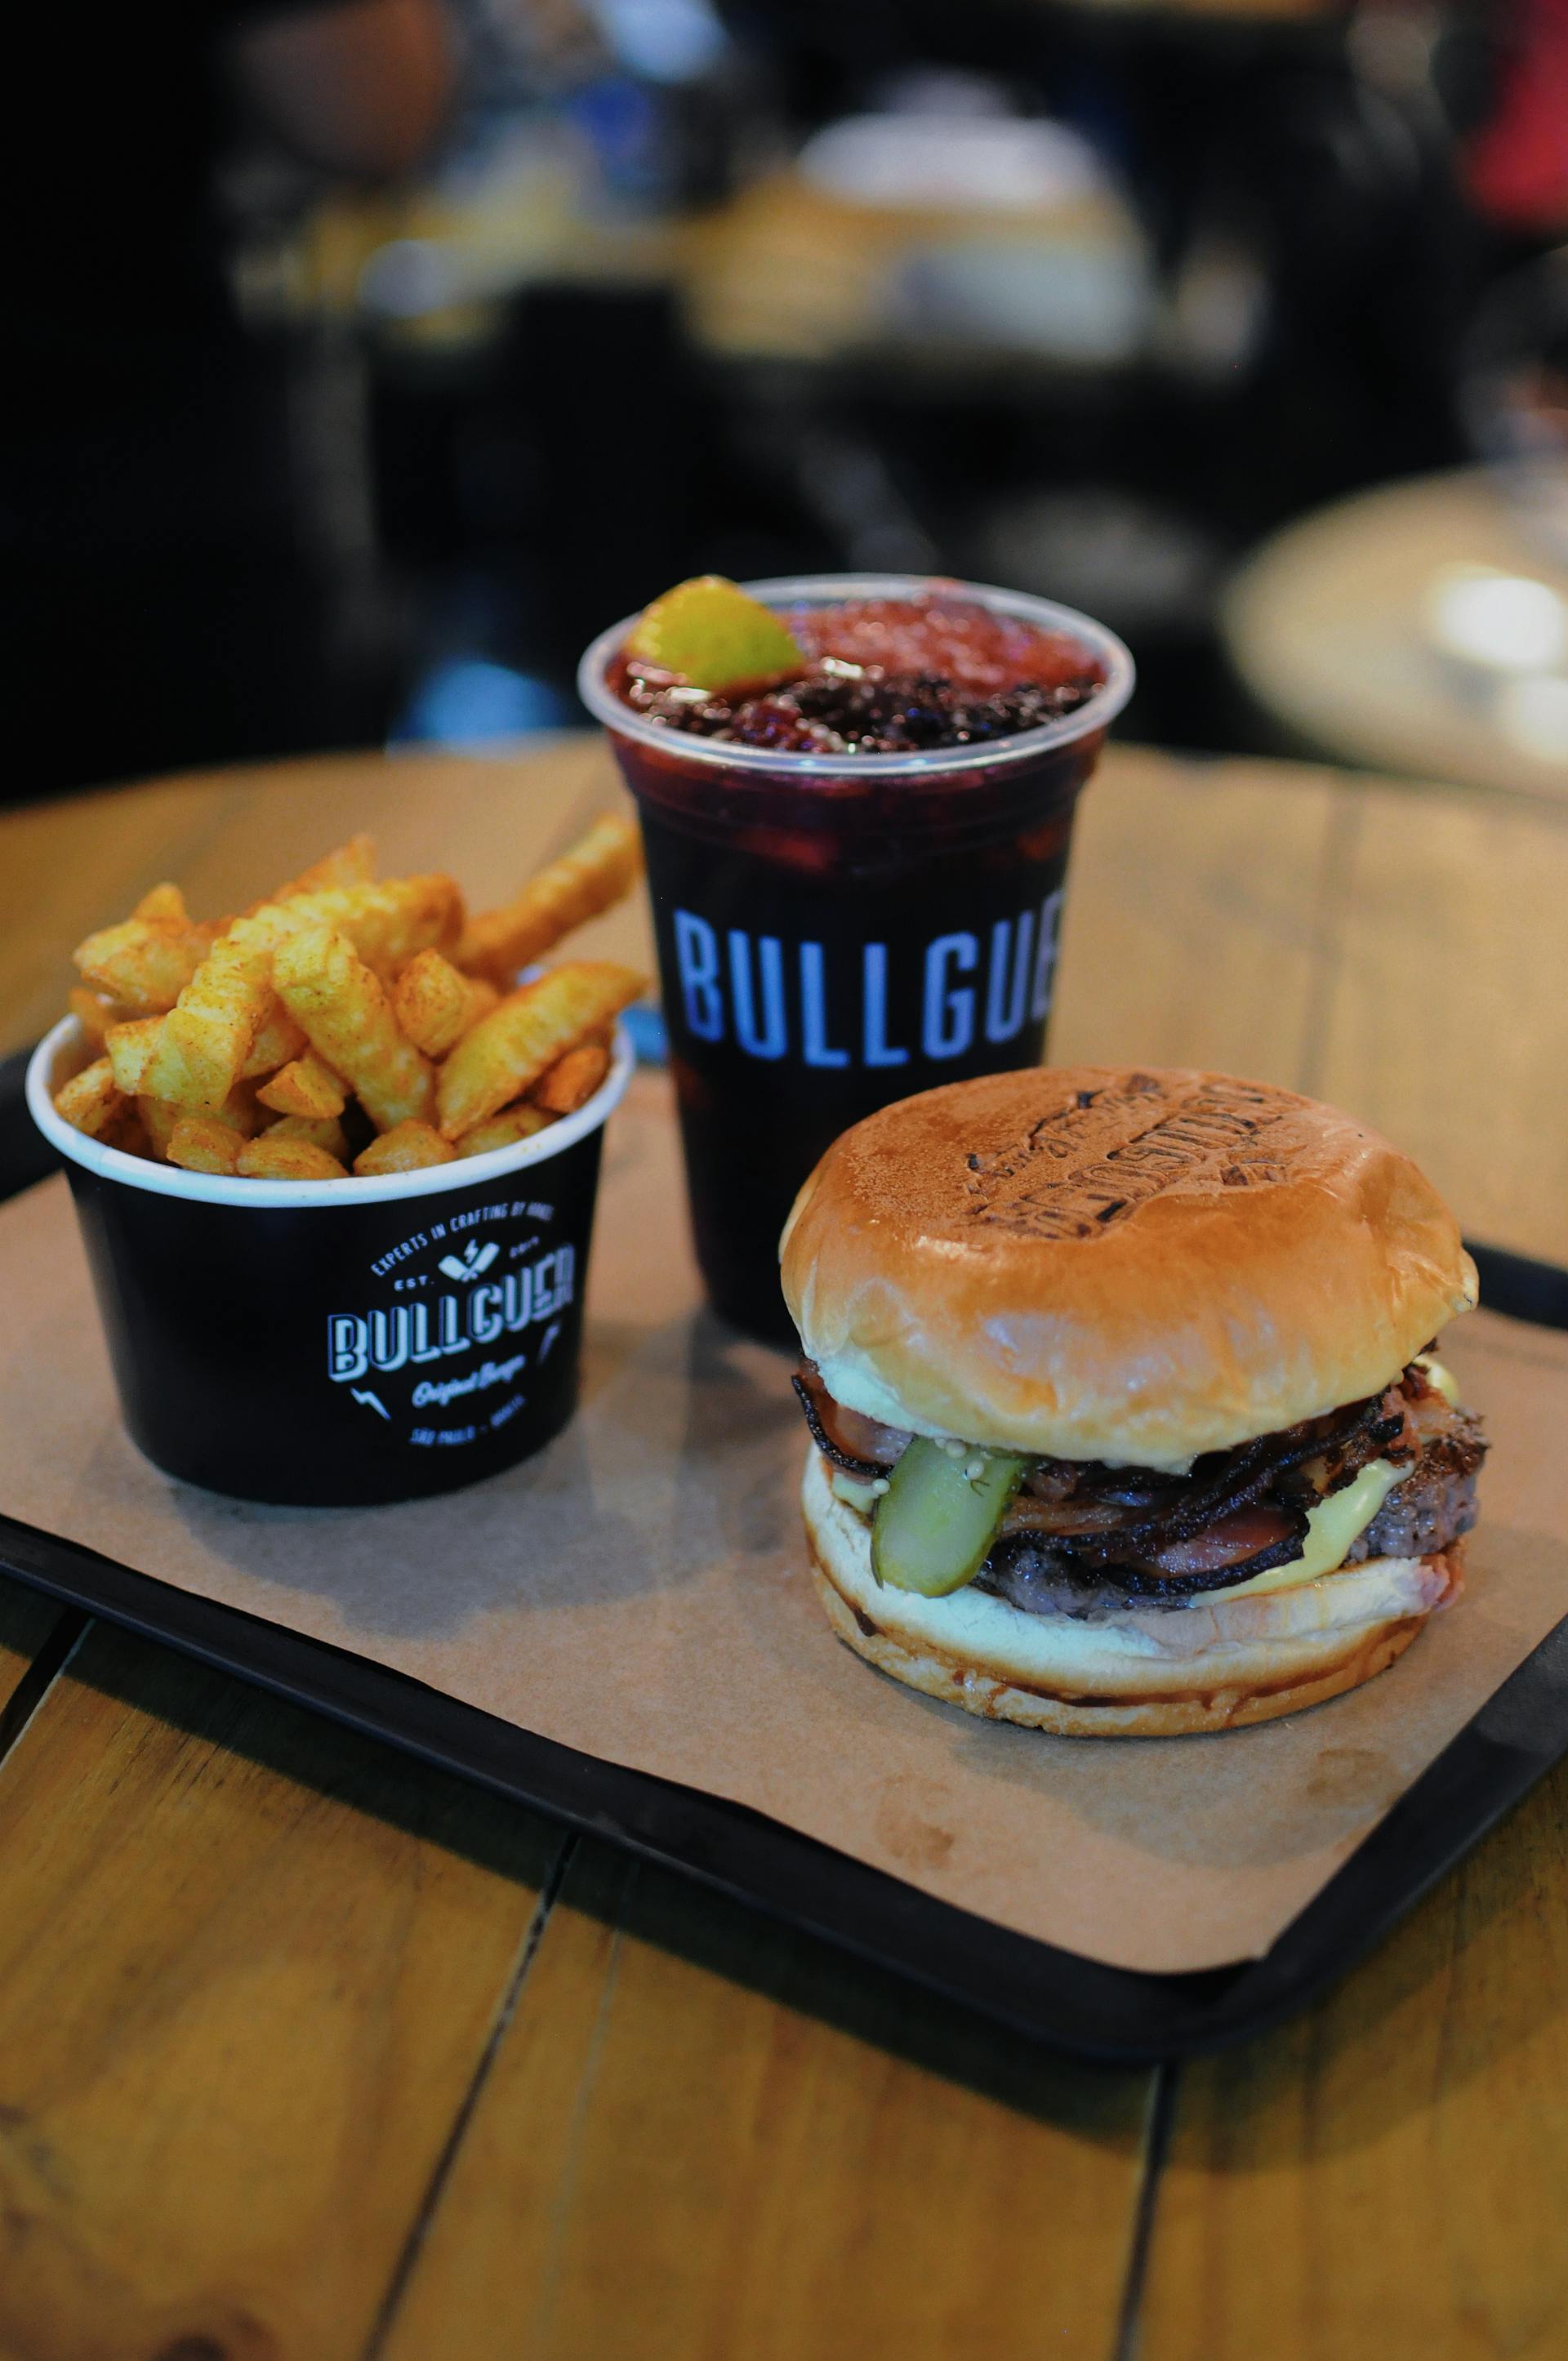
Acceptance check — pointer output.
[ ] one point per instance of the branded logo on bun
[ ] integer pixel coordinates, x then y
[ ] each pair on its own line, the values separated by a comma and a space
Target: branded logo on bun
1125, 1411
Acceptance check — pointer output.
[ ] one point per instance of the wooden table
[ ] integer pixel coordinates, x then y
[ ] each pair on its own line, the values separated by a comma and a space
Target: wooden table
309, 2052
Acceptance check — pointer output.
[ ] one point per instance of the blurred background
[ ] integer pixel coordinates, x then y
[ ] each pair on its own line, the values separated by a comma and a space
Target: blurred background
366, 360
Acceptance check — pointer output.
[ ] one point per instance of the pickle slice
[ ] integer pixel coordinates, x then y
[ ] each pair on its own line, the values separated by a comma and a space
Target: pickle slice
935, 1520
715, 635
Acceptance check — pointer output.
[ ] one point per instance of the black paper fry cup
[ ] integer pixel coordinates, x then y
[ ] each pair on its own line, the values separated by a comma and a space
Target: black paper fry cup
331, 1343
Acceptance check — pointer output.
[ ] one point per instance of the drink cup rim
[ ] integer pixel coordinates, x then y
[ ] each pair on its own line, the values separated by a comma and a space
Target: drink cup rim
343, 1196
793, 589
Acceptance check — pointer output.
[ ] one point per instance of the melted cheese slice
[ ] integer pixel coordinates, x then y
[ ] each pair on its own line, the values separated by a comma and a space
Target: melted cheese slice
1332, 1527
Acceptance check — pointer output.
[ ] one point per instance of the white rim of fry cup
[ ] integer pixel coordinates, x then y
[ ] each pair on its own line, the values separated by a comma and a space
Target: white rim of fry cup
825, 589
225, 1189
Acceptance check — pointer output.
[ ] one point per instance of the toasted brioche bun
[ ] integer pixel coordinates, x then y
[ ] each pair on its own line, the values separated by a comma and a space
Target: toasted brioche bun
1097, 1262
1150, 1673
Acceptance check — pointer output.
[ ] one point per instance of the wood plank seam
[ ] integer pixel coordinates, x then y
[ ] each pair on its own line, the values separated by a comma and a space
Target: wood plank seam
1331, 894
571, 2169
1156, 2144
435, 2188
66, 1634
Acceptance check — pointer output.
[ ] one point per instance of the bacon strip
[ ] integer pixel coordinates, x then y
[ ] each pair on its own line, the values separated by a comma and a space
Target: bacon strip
860, 1446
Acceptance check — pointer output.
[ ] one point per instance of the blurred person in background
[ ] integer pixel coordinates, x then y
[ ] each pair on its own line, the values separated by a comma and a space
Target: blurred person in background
161, 610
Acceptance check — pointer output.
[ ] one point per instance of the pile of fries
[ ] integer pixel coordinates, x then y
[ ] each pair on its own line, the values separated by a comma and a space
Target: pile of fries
343, 1023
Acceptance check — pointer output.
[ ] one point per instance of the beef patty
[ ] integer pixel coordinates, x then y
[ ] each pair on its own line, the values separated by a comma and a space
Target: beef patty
1433, 1508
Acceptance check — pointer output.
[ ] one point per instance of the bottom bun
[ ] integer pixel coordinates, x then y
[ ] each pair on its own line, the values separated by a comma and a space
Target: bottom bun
1150, 1673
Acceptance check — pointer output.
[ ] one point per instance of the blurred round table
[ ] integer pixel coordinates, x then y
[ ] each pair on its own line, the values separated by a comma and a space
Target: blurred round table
1334, 626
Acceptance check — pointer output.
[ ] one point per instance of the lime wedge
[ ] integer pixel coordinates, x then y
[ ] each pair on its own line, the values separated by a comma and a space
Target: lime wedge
714, 636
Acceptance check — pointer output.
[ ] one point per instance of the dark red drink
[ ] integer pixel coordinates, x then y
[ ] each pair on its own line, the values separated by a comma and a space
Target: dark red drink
856, 875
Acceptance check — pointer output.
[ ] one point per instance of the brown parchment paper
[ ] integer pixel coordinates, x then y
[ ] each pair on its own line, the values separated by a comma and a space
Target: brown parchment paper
639, 1591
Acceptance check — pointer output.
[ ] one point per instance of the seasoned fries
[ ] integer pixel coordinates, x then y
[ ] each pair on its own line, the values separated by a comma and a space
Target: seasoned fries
279, 1040
269, 1046
93, 1099
597, 872
305, 1087
504, 1130
163, 902
435, 1004
94, 1015
132, 1049
207, 1035
510, 1050
353, 863
407, 1147
144, 963
326, 987
160, 1122
200, 1143
387, 924
268, 1159
321, 1132
572, 1080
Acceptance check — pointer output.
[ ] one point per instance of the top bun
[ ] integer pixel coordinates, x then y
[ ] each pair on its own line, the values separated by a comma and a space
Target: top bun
1100, 1262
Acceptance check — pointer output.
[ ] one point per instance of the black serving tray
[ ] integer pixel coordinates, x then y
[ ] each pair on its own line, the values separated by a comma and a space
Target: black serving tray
1054, 1997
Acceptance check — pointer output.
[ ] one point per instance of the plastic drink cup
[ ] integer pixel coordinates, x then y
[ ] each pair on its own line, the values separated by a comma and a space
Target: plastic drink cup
839, 931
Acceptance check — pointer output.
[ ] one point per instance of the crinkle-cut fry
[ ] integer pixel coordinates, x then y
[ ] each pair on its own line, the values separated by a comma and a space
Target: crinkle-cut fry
132, 1047
321, 1132
144, 963
214, 1026
159, 1118
94, 1015
589, 877
572, 1080
326, 987
483, 995
353, 863
268, 1159
387, 923
209, 1032
200, 1143
504, 1130
91, 1100
431, 1001
128, 1131
306, 1086
508, 1050
165, 902
279, 1039
407, 1147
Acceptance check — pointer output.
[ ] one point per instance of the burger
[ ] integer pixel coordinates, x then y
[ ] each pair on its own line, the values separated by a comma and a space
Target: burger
1125, 1409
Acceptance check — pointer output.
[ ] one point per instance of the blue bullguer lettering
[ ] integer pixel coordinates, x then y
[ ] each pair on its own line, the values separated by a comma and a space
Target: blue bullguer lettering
1045, 957
696, 959
813, 1010
761, 1026
879, 1049
947, 1026
1007, 986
